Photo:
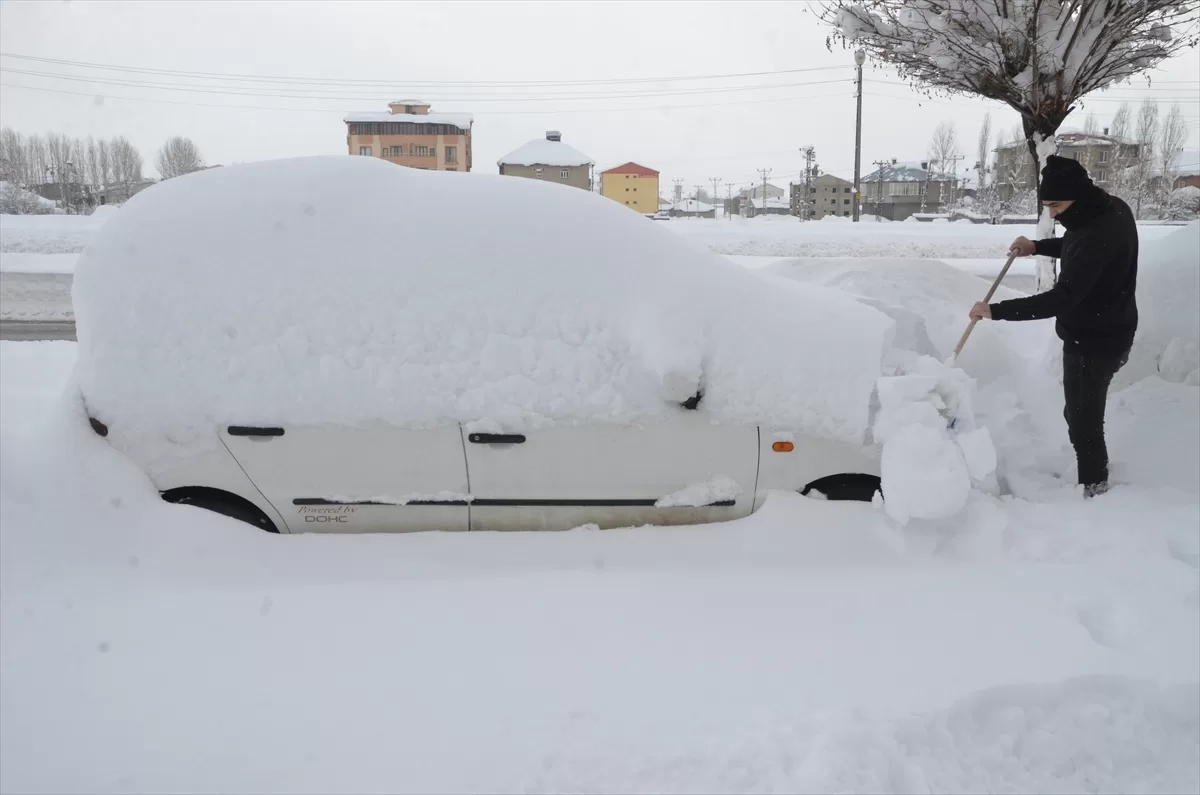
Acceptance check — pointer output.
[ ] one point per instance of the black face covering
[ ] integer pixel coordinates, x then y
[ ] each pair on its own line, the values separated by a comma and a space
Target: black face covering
1084, 209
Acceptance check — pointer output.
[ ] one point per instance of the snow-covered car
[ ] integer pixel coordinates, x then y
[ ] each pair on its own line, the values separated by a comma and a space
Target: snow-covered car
341, 344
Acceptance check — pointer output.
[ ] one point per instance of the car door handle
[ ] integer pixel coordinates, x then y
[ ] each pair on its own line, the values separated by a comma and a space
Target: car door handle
252, 430
496, 438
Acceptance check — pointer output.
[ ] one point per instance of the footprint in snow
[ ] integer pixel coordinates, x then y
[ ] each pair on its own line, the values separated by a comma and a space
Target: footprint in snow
1109, 624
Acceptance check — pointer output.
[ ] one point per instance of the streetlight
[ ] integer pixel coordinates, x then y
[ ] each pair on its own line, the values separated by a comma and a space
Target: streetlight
860, 57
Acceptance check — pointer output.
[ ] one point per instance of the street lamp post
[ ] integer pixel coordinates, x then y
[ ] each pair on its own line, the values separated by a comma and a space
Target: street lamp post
860, 57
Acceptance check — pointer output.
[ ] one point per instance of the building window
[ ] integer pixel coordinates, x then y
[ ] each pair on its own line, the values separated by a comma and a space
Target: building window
812, 190
1102, 176
845, 201
451, 154
1103, 155
408, 109
845, 190
364, 151
565, 173
537, 173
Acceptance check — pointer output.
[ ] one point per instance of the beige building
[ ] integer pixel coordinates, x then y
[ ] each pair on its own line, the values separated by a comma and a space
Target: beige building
410, 135
551, 160
825, 195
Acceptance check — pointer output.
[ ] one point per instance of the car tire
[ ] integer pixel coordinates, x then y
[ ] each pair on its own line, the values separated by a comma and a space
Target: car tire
225, 504
847, 487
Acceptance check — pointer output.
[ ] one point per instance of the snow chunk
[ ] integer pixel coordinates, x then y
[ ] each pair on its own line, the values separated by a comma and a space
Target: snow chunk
719, 488
924, 475
248, 295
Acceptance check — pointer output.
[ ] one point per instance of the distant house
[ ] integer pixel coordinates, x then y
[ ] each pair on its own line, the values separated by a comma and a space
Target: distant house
758, 191
752, 208
631, 185
552, 160
826, 195
691, 208
1100, 153
1186, 171
898, 190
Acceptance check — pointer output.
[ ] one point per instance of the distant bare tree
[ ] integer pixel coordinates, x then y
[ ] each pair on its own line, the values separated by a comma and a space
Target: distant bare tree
104, 162
943, 147
1170, 143
1147, 133
178, 156
127, 165
1122, 160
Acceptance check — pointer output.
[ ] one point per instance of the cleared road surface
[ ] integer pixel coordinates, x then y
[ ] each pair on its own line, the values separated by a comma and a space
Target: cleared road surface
28, 330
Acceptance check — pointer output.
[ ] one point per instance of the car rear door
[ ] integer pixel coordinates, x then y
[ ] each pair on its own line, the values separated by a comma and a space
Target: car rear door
612, 476
357, 480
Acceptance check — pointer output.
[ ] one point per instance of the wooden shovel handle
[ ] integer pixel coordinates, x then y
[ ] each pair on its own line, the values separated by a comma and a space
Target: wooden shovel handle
987, 299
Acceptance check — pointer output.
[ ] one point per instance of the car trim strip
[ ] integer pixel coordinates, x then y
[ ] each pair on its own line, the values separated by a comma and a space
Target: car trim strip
493, 502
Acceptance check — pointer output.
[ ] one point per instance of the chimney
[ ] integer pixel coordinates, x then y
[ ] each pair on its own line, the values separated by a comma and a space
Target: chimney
553, 135
1106, 131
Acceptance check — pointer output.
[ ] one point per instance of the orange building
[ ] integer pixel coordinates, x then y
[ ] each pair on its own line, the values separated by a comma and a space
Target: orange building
410, 135
632, 185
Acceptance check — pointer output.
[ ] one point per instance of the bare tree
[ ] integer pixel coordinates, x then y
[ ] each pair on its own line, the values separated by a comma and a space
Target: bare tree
104, 162
943, 148
1147, 133
1123, 152
178, 156
1170, 143
127, 165
985, 147
1038, 57
14, 157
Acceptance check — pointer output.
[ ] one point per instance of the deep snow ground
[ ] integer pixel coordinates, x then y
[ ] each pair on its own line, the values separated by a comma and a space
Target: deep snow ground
1049, 647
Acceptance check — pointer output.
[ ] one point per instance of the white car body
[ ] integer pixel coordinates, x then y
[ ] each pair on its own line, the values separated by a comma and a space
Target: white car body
358, 480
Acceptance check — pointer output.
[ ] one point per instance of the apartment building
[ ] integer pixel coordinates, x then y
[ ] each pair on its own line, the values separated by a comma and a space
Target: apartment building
1100, 153
634, 186
549, 159
825, 195
410, 134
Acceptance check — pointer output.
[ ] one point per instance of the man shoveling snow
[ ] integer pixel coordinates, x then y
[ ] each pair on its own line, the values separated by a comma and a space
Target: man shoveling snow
1093, 302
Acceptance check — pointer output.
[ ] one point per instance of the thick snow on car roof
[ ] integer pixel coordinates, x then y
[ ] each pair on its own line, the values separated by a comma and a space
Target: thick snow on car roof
348, 290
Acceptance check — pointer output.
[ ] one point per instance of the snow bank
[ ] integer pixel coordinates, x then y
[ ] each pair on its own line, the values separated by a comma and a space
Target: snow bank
419, 298
133, 627
1168, 339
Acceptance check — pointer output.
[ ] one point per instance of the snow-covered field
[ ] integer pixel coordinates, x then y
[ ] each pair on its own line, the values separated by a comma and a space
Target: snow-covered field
1031, 642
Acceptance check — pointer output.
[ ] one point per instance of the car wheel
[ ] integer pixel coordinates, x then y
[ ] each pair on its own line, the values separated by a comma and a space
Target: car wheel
856, 487
223, 503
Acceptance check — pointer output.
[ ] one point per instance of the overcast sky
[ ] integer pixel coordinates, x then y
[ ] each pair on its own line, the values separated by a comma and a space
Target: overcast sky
695, 129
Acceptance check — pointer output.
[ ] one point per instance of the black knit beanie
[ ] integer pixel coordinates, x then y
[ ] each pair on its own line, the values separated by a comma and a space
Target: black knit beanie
1064, 179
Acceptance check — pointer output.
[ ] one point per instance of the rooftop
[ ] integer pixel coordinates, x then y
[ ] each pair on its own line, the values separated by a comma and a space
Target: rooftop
913, 171
462, 121
632, 168
548, 151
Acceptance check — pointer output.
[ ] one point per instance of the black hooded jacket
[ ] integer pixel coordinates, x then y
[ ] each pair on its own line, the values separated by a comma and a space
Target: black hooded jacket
1094, 300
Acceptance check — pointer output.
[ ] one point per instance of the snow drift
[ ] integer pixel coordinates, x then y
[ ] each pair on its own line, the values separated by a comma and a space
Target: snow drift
1168, 339
349, 290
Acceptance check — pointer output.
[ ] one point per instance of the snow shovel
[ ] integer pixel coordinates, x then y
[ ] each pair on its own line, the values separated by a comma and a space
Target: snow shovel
1012, 255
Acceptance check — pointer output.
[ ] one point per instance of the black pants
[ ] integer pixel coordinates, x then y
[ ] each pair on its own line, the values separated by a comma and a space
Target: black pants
1086, 378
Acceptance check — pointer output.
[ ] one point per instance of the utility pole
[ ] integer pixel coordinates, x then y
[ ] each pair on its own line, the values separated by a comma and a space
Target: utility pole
729, 200
764, 172
879, 166
678, 191
716, 181
859, 58
697, 187
809, 154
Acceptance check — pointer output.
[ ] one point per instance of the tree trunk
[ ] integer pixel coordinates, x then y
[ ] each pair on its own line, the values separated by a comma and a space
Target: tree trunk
1041, 144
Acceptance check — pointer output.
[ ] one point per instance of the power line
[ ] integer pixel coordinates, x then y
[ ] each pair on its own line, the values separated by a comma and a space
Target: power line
352, 81
564, 111
295, 94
